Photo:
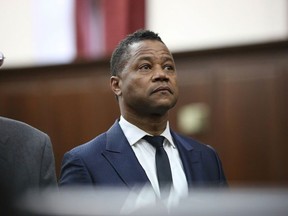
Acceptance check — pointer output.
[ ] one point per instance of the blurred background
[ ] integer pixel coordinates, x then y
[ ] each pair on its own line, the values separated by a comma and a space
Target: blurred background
231, 58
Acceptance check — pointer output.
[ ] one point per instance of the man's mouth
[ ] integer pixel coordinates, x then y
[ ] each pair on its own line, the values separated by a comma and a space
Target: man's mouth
163, 89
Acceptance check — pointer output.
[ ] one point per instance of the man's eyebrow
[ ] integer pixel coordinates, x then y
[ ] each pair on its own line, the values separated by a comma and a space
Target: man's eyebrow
150, 58
147, 58
167, 58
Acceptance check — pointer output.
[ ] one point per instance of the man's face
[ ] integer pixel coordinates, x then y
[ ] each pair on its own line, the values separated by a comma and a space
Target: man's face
148, 83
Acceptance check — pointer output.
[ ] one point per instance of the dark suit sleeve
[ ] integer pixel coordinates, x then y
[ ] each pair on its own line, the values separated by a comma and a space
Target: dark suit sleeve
47, 170
222, 178
73, 171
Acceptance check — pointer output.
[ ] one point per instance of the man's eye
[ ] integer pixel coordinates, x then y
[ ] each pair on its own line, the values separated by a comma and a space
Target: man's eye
168, 67
145, 67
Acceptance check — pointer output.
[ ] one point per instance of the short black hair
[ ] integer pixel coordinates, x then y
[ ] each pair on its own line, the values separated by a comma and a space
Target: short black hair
120, 54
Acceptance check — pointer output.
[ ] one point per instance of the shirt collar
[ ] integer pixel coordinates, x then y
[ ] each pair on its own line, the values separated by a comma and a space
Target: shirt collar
134, 134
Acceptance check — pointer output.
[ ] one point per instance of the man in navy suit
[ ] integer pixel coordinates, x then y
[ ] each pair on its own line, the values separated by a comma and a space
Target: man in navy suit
144, 81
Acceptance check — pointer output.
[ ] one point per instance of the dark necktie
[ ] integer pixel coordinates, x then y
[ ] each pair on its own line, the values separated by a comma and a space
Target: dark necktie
162, 164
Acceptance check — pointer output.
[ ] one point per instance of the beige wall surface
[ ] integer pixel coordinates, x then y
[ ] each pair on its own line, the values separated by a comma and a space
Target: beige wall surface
37, 32
193, 24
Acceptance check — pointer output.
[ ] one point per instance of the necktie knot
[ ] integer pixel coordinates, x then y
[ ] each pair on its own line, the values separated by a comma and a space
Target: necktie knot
156, 141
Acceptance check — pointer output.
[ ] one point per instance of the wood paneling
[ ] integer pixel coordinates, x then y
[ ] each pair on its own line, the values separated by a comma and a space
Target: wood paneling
245, 89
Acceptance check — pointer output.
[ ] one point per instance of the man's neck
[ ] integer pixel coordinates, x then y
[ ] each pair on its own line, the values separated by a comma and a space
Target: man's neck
153, 124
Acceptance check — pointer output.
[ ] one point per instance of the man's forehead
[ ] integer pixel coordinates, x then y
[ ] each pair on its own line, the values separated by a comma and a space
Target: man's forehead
149, 47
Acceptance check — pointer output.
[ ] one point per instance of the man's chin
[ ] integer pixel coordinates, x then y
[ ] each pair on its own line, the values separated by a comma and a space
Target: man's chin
162, 109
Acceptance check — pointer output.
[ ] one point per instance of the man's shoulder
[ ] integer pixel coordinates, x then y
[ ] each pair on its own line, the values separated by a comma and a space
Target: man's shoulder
111, 140
96, 144
190, 141
17, 129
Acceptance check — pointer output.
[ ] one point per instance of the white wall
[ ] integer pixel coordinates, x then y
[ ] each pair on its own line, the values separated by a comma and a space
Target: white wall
42, 31
16, 31
36, 32
202, 24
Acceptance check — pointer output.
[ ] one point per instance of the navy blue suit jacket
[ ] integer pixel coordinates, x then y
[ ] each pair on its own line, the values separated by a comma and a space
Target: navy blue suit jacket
108, 160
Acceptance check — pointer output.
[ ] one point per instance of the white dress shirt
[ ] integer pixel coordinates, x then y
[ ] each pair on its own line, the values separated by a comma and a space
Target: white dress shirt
145, 154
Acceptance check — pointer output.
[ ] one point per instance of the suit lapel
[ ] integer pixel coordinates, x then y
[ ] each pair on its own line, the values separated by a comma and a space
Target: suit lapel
121, 156
191, 160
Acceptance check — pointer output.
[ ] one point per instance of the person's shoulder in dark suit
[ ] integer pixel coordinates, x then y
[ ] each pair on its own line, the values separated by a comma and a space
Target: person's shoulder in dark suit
26, 157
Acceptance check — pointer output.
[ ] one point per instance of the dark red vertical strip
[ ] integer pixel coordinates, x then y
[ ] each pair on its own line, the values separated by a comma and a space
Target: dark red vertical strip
137, 10
82, 27
121, 17
101, 24
115, 22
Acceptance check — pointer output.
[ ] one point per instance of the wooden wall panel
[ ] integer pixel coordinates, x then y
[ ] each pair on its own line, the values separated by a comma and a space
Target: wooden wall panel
244, 88
247, 109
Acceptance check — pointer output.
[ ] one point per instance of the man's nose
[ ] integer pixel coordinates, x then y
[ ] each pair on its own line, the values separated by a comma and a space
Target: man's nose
160, 74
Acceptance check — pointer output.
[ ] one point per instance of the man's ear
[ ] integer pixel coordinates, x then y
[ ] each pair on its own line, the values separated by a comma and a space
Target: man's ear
115, 83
